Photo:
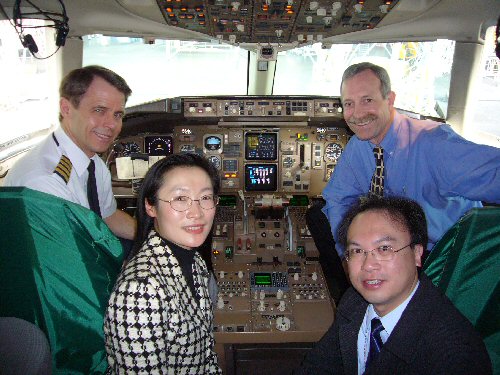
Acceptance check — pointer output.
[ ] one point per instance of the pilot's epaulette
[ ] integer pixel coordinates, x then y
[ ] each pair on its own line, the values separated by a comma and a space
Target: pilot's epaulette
63, 168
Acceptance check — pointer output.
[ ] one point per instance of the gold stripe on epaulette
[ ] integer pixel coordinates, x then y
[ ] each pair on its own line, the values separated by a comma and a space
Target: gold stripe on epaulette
63, 168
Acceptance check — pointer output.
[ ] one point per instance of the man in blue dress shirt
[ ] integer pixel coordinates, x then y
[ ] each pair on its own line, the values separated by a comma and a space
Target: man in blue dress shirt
423, 160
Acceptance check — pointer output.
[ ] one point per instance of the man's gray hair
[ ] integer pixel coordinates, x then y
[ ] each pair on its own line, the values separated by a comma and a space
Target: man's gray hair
381, 73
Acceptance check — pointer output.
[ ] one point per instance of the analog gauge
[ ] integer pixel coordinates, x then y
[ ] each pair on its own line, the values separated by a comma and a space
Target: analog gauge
213, 143
215, 160
332, 152
288, 162
130, 148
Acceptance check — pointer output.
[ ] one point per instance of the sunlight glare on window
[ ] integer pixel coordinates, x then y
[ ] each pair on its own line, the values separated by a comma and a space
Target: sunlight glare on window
482, 126
419, 71
25, 106
170, 68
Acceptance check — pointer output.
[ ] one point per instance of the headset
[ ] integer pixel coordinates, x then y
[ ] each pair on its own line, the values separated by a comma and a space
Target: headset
60, 22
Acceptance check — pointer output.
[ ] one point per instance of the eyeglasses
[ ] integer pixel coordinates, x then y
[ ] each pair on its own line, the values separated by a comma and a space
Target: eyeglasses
183, 203
383, 253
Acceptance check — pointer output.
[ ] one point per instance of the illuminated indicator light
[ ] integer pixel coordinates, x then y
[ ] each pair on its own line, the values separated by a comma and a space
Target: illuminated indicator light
388, 2
201, 15
227, 175
202, 23
233, 175
288, 7
171, 15
190, 16
215, 252
265, 7
182, 16
198, 8
290, 11
184, 9
170, 10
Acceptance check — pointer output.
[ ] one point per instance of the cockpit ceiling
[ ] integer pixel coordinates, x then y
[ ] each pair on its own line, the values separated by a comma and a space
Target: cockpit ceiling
290, 23
274, 21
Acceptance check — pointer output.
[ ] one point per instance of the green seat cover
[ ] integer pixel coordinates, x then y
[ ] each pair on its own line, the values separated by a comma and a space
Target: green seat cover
465, 265
58, 264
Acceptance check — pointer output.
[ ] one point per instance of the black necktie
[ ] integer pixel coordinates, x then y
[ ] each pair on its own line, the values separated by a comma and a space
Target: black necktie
375, 340
92, 189
377, 184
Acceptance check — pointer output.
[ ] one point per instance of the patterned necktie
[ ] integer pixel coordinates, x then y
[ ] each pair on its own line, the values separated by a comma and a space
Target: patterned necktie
92, 189
375, 341
377, 184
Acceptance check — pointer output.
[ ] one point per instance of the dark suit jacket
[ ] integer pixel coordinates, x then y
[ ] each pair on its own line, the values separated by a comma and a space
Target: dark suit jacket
432, 337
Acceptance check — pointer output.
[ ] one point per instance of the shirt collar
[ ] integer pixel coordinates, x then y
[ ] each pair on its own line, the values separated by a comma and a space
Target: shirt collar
390, 140
390, 320
79, 160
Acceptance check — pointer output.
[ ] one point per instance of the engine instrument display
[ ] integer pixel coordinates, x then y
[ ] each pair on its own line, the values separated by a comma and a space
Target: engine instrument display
261, 177
158, 145
261, 146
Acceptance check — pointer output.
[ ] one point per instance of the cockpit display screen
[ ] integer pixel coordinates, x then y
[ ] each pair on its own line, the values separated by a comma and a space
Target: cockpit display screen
158, 145
261, 146
262, 279
261, 177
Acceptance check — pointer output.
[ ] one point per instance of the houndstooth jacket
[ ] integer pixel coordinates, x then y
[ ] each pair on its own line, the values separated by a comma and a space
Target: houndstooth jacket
153, 323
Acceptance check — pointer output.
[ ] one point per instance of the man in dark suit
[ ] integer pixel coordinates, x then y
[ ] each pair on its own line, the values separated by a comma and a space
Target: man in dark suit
393, 320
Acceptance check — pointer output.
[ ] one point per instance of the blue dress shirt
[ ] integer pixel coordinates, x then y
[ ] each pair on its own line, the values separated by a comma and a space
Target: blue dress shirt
425, 161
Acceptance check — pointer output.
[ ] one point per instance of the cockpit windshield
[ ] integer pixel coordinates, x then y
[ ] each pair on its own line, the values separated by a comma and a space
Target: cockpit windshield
420, 71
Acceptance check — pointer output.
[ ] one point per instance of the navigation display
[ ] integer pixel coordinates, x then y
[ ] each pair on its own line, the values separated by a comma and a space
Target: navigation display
261, 177
261, 146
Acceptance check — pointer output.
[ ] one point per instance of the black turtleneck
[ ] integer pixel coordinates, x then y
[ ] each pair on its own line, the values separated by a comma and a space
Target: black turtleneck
186, 261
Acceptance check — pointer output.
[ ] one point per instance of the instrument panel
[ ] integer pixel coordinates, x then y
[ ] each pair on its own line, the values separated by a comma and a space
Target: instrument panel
274, 157
276, 21
284, 158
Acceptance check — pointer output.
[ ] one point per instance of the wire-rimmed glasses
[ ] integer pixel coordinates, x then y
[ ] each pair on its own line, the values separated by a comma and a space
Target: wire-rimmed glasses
183, 203
383, 253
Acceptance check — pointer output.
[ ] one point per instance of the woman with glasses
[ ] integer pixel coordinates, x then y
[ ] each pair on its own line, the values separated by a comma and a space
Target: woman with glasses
159, 316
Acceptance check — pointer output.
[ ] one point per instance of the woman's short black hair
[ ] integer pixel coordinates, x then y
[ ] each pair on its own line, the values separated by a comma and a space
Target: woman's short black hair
154, 180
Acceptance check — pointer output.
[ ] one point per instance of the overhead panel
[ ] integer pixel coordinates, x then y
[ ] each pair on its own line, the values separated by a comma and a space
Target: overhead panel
274, 21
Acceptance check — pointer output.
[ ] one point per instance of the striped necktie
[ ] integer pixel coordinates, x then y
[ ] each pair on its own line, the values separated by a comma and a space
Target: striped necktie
377, 184
375, 341
92, 189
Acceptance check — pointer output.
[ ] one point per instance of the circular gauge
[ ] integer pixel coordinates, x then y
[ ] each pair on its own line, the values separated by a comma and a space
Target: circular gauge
332, 152
130, 148
215, 161
288, 162
213, 143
